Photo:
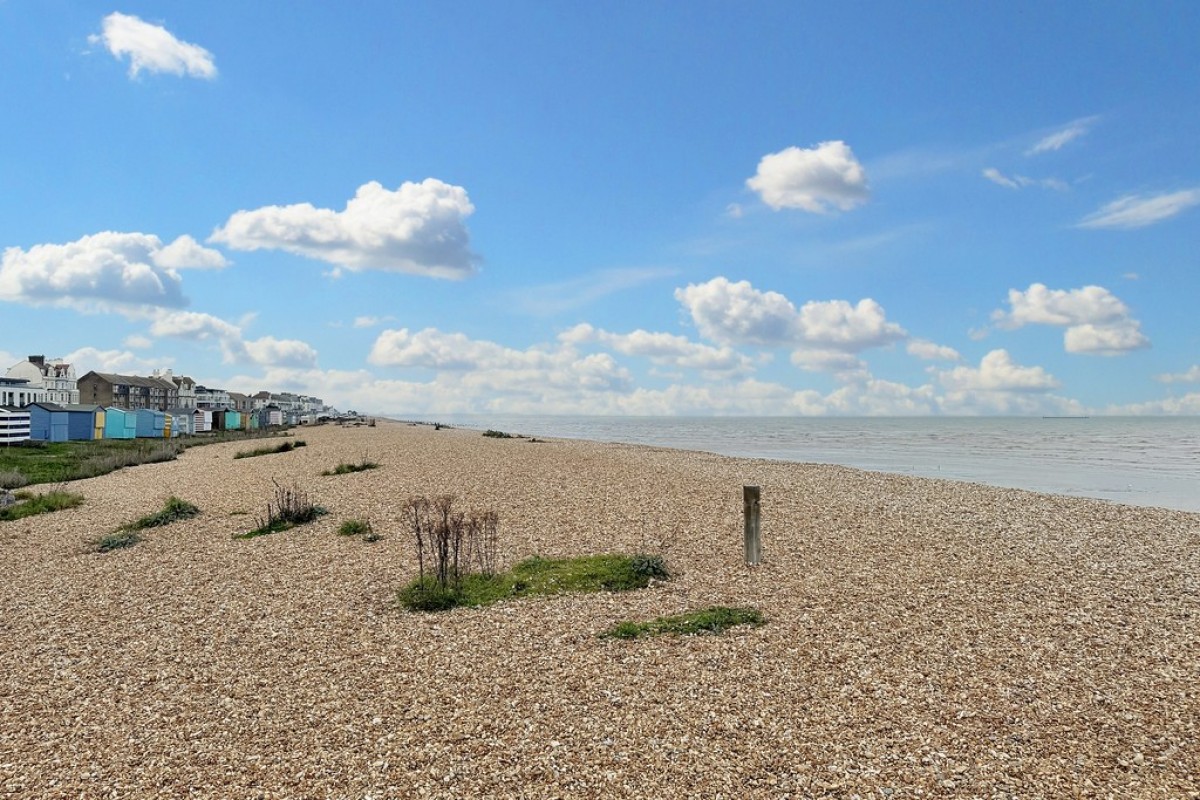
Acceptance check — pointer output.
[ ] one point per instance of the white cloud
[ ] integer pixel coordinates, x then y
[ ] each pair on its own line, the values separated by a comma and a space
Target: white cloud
929, 351
825, 335
737, 313
268, 350
662, 348
1190, 375
138, 342
1187, 405
88, 359
107, 271
152, 48
417, 229
995, 176
1096, 321
997, 373
1060, 138
265, 351
371, 322
1137, 211
1022, 181
815, 180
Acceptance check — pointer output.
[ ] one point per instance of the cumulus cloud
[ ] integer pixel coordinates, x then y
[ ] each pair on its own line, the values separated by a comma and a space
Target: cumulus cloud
737, 313
88, 359
824, 177
997, 372
265, 351
929, 351
1191, 375
662, 348
417, 229
152, 48
477, 365
1138, 211
138, 342
1096, 321
106, 271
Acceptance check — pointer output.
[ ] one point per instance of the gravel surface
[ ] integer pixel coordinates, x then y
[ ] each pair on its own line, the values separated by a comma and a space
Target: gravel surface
924, 638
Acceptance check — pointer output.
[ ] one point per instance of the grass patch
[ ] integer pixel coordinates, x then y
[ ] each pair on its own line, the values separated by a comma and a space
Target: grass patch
29, 505
711, 620
346, 469
173, 511
117, 541
283, 447
537, 576
290, 508
491, 434
11, 479
56, 462
356, 527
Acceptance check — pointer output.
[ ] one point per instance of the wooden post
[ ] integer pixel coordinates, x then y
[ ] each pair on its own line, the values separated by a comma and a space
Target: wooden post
750, 505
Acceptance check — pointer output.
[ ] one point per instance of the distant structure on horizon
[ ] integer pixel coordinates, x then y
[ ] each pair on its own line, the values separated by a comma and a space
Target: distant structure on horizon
54, 376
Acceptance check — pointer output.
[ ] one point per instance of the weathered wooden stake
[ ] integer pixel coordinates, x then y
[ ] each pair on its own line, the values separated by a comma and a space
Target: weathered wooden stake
750, 504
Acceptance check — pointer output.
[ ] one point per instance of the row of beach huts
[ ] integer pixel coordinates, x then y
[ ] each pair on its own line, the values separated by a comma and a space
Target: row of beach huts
52, 422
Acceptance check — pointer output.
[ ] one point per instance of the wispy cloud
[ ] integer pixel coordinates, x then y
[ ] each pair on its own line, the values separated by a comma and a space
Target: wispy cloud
555, 298
1062, 137
1191, 375
1022, 181
1138, 211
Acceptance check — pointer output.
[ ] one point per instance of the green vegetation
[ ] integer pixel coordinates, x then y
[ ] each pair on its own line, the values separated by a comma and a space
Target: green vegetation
536, 576
173, 511
283, 447
290, 508
29, 504
711, 620
116, 541
491, 434
355, 527
346, 469
11, 479
56, 462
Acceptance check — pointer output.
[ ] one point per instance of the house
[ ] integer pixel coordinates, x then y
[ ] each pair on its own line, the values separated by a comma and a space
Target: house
18, 392
185, 387
14, 425
120, 423
128, 391
211, 398
84, 422
241, 403
48, 422
151, 424
53, 375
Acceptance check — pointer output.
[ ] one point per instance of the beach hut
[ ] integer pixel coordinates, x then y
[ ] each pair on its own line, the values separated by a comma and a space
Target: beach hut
183, 422
119, 423
151, 424
232, 421
84, 422
14, 425
203, 418
47, 422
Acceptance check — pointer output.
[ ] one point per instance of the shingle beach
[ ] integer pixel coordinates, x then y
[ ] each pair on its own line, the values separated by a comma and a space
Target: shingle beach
923, 639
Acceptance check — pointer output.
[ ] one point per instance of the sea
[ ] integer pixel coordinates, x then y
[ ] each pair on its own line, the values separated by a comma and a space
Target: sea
1144, 461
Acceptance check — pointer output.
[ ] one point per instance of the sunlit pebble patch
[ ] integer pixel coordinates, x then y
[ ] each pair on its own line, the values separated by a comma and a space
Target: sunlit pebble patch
925, 638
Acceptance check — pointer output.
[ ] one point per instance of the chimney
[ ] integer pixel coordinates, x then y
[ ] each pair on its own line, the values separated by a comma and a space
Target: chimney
39, 360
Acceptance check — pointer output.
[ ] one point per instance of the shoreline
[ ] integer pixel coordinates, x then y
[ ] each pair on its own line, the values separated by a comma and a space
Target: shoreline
923, 635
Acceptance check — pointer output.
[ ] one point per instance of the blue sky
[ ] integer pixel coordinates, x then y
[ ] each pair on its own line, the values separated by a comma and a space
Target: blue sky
612, 208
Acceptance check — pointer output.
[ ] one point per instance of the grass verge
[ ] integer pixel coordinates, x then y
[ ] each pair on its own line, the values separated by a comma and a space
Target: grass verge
537, 576
711, 620
29, 504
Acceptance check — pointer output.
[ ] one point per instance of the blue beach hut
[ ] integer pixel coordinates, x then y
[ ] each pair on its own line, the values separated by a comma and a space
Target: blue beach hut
120, 423
150, 424
48, 422
84, 422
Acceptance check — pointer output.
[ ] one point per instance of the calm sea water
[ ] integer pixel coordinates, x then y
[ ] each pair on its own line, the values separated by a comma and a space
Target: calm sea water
1149, 461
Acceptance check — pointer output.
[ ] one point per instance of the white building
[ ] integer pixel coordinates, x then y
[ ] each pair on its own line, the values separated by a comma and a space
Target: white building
54, 376
19, 392
212, 398
186, 386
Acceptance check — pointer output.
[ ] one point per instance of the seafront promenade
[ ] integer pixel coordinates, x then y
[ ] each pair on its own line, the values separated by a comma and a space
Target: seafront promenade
923, 637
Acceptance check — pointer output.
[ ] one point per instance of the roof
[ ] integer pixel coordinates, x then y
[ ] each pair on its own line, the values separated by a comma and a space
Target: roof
81, 407
50, 406
133, 380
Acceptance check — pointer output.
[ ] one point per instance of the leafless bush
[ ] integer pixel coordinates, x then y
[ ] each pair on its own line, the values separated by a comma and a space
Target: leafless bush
451, 544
